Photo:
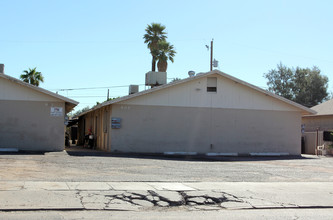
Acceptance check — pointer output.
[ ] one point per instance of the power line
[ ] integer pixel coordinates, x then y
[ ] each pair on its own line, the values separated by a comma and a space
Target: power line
106, 87
88, 96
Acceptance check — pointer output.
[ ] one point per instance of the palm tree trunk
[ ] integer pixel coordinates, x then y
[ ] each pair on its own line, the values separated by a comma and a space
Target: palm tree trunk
162, 66
153, 67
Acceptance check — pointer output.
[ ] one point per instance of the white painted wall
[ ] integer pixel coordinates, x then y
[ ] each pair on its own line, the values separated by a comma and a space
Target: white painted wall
12, 91
187, 118
158, 129
229, 95
29, 125
26, 122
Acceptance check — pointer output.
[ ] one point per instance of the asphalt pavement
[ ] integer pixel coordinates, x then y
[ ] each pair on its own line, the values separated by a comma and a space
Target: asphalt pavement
90, 166
95, 185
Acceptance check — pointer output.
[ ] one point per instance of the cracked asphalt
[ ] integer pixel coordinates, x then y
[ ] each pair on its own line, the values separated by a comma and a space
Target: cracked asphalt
138, 196
89, 181
133, 200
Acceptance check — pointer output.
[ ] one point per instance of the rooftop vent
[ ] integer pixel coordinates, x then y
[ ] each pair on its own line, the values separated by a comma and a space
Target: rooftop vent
191, 73
2, 68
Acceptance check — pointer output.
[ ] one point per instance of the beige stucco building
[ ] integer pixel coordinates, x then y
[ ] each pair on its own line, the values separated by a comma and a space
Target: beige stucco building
211, 113
31, 118
321, 121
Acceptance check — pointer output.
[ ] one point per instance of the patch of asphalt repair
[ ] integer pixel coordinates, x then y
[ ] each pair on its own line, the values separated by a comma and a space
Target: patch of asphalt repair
198, 200
135, 200
152, 200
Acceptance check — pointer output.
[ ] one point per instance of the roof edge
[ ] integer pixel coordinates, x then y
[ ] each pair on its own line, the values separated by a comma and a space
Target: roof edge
317, 115
304, 109
39, 89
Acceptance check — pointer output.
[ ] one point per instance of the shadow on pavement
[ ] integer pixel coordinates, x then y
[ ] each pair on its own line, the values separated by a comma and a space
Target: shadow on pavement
78, 151
23, 153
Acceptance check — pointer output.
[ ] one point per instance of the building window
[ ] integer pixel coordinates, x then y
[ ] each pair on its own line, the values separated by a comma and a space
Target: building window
211, 89
211, 84
328, 136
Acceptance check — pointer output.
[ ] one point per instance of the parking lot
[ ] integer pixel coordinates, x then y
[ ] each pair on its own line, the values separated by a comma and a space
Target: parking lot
98, 166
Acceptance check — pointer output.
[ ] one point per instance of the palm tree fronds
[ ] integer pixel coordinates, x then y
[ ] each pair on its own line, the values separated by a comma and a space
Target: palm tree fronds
32, 76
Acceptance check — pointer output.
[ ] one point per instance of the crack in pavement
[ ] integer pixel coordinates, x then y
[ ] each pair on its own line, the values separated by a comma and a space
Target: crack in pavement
147, 199
281, 204
152, 198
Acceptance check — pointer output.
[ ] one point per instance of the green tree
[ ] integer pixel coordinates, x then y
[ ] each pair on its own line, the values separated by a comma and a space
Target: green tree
166, 52
310, 86
175, 79
302, 85
280, 81
76, 113
154, 34
32, 76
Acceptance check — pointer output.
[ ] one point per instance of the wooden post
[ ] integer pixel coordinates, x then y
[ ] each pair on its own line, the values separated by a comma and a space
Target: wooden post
317, 140
211, 55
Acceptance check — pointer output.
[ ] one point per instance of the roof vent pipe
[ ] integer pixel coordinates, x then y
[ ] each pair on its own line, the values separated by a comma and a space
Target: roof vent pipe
191, 73
2, 68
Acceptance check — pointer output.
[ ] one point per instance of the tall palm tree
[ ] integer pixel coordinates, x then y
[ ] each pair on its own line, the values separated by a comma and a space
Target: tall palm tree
154, 34
32, 76
166, 52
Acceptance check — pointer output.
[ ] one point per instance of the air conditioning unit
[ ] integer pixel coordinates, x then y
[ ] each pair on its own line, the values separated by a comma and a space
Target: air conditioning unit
133, 89
156, 78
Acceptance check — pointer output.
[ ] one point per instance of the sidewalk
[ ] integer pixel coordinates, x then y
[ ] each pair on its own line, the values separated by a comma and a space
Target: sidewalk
136, 196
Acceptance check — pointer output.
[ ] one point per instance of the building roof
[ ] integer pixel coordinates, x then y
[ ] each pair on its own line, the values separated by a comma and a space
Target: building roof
325, 108
70, 104
304, 109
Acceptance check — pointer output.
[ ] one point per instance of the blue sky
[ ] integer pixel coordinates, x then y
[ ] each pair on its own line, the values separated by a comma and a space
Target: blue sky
88, 44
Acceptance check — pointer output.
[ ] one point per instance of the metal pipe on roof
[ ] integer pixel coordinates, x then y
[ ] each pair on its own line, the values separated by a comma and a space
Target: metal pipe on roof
2, 68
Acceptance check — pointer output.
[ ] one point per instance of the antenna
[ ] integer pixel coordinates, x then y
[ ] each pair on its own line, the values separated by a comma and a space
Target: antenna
215, 63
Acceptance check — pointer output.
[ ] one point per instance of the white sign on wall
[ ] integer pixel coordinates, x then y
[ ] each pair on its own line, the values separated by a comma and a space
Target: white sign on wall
56, 111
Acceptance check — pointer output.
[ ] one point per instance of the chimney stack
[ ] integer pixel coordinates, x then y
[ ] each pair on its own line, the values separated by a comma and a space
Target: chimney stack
2, 68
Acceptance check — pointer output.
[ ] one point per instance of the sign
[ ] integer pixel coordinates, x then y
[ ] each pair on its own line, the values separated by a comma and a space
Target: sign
56, 111
66, 120
115, 123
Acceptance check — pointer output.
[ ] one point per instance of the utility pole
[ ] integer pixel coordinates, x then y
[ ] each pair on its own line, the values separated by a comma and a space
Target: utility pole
213, 62
211, 55
107, 98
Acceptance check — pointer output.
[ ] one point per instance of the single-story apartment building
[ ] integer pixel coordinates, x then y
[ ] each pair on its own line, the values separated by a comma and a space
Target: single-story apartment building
210, 113
31, 118
317, 128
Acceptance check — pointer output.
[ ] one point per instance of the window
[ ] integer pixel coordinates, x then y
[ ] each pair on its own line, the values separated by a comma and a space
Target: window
211, 89
328, 136
211, 84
